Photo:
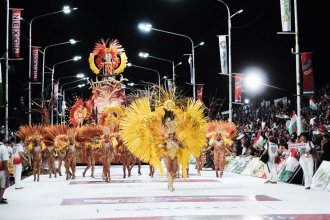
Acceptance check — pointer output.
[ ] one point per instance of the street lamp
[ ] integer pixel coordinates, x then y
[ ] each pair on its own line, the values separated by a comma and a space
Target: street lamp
76, 58
71, 41
65, 10
145, 68
146, 55
229, 58
148, 27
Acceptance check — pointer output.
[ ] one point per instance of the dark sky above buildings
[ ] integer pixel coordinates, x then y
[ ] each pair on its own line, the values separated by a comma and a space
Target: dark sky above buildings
255, 42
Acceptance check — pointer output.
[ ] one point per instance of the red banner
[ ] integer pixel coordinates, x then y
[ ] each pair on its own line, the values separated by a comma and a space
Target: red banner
199, 91
16, 32
35, 53
308, 74
238, 87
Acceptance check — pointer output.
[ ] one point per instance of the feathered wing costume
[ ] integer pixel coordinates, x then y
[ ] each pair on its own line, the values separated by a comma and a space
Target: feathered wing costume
227, 130
143, 130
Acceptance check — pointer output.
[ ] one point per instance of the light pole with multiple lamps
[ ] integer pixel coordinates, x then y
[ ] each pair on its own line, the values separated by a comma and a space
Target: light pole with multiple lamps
145, 68
296, 52
65, 10
76, 58
229, 59
146, 55
71, 41
148, 27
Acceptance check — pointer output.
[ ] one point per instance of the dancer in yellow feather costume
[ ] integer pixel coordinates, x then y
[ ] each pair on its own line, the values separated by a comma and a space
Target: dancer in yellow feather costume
170, 132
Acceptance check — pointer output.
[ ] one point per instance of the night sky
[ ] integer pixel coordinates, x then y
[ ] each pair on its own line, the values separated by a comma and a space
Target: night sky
255, 42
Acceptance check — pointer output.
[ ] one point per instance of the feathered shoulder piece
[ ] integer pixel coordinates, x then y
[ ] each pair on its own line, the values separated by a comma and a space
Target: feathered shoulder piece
29, 132
228, 130
52, 132
88, 133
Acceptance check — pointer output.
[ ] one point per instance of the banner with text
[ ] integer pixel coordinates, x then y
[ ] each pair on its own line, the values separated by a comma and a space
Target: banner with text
286, 15
223, 53
308, 74
35, 57
238, 87
16, 32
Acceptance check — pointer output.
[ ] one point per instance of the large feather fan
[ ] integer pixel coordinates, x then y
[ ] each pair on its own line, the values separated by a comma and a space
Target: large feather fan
142, 132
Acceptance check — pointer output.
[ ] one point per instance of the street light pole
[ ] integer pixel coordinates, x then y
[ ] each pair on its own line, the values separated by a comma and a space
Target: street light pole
148, 27
229, 60
71, 41
146, 55
66, 10
7, 70
52, 85
297, 53
155, 71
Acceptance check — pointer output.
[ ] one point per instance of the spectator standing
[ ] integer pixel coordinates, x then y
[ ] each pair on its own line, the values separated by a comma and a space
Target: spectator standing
306, 159
18, 157
4, 172
271, 148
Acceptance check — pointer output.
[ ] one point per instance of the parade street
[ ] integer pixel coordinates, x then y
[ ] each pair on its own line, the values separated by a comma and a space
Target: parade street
142, 197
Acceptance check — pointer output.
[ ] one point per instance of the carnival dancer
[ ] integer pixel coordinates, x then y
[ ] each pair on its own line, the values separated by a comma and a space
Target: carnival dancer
171, 132
219, 154
90, 159
89, 137
200, 161
60, 158
50, 155
70, 159
36, 148
221, 134
107, 152
171, 146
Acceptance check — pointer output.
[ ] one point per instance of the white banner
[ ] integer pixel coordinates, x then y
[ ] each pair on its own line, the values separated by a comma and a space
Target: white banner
16, 32
321, 178
223, 53
286, 15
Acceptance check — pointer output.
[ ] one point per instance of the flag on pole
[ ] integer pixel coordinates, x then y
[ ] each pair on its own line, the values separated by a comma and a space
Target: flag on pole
286, 15
312, 103
308, 74
293, 123
35, 57
238, 87
223, 53
259, 141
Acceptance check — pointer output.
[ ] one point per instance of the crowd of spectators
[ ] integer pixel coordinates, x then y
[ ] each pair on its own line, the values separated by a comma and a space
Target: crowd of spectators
267, 118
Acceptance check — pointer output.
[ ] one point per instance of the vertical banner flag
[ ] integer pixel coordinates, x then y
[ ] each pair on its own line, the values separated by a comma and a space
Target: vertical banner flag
169, 84
238, 87
199, 91
223, 53
55, 92
35, 53
308, 74
286, 15
16, 32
